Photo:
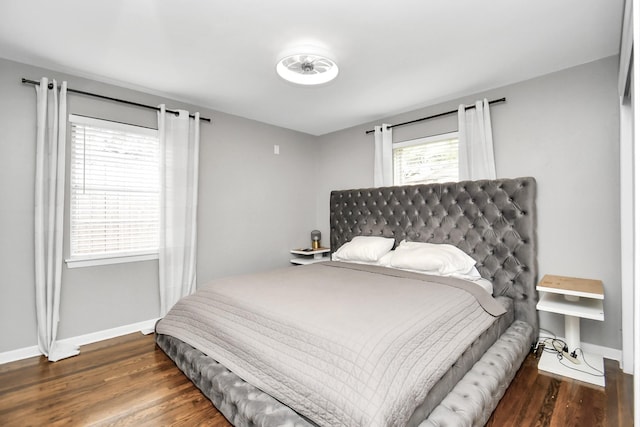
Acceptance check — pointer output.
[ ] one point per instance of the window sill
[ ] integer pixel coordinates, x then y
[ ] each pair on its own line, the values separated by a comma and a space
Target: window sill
91, 262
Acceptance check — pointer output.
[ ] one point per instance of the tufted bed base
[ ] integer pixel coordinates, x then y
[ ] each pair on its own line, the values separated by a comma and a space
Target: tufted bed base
470, 403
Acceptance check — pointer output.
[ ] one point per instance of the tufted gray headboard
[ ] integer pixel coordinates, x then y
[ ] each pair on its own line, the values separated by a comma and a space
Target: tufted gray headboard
494, 221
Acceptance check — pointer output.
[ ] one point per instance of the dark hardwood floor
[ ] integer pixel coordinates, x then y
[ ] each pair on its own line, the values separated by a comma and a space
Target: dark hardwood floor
540, 399
129, 381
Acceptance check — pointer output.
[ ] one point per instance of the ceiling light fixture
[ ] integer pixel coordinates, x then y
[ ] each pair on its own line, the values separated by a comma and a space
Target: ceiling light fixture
307, 69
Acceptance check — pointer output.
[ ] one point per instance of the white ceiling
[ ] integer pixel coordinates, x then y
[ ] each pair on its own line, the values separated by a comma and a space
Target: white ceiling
393, 56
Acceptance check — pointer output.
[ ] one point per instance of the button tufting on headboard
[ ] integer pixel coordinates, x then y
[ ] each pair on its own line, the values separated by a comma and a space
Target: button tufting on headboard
491, 220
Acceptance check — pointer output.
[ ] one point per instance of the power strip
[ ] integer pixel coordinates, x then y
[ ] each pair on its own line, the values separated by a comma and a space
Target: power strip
566, 355
560, 349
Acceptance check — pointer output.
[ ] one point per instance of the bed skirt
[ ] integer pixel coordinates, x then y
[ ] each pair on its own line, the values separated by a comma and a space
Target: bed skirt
470, 403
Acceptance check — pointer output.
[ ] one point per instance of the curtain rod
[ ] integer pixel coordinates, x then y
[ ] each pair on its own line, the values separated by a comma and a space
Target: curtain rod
108, 98
467, 107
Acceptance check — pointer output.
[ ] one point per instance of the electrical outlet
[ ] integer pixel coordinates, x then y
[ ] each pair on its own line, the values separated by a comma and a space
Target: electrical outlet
276, 149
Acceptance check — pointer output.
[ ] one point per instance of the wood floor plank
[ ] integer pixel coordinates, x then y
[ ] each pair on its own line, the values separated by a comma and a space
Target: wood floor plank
128, 381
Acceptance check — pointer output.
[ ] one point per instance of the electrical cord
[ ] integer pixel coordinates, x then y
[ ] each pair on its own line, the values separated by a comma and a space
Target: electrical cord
542, 340
558, 346
598, 374
554, 345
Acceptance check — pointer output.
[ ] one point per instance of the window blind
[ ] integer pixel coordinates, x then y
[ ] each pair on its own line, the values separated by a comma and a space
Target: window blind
114, 189
426, 160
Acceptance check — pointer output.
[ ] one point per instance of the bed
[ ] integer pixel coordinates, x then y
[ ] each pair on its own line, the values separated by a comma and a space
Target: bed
324, 345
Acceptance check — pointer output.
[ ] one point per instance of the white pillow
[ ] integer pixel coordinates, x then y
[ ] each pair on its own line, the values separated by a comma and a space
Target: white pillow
385, 261
364, 249
472, 274
442, 259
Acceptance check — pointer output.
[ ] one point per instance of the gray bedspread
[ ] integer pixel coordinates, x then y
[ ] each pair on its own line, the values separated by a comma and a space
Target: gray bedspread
304, 336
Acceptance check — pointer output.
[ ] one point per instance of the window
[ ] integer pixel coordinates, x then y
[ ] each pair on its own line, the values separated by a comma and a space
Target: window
426, 160
114, 192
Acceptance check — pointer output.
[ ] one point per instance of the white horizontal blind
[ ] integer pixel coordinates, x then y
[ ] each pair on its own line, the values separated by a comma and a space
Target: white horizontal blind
115, 189
426, 160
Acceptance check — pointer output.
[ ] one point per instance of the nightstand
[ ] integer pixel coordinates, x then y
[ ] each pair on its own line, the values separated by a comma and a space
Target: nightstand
310, 256
574, 298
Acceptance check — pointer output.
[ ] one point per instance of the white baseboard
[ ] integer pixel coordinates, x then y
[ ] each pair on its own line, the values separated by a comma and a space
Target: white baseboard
111, 333
145, 327
19, 354
606, 352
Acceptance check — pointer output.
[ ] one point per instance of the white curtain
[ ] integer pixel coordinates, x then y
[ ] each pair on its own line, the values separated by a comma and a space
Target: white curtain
475, 156
383, 156
179, 142
51, 134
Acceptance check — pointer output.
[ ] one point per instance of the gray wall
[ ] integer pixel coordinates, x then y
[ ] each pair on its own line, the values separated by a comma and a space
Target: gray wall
562, 129
253, 207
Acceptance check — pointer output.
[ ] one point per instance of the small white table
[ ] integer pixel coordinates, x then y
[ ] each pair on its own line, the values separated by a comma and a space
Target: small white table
310, 256
574, 298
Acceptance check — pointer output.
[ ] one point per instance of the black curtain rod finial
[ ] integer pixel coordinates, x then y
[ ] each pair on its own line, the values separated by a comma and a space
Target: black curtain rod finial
33, 82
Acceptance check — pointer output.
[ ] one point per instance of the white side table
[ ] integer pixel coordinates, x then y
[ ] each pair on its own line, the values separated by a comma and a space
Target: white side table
310, 256
574, 298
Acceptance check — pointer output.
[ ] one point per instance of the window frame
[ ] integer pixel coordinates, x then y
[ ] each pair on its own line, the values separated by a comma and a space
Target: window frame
105, 258
425, 140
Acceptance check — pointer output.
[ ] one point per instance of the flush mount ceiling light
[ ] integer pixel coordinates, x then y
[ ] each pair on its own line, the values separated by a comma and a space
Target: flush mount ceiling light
307, 69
